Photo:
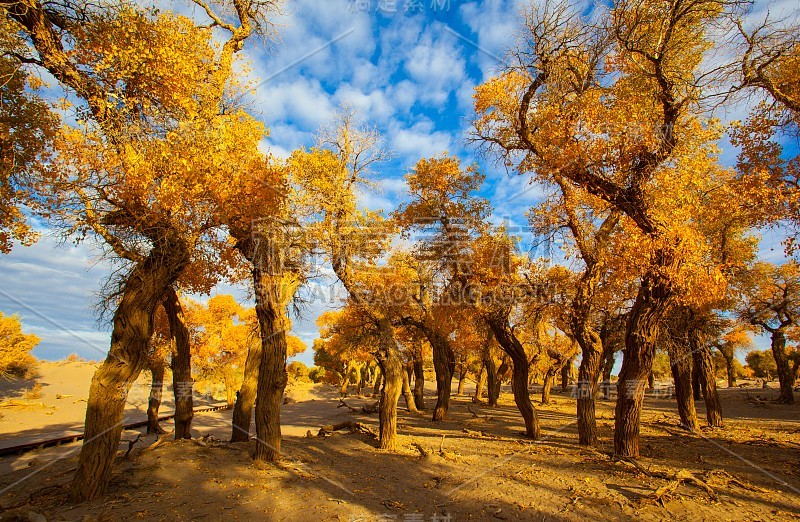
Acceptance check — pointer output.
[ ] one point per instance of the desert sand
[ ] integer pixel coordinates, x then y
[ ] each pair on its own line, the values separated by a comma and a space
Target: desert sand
474, 466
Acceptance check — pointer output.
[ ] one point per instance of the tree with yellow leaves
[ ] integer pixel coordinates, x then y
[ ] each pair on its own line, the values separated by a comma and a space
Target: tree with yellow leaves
771, 303
352, 238
445, 211
611, 107
27, 128
136, 172
15, 347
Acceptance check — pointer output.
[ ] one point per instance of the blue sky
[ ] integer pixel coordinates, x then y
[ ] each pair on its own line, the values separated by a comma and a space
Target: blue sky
408, 67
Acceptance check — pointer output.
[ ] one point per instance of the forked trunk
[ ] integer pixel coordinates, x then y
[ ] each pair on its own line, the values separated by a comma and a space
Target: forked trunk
154, 402
127, 357
419, 384
681, 364
785, 374
392, 369
246, 398
182, 382
708, 381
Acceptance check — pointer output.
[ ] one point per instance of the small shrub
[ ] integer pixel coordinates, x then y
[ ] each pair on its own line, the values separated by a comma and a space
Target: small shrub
34, 393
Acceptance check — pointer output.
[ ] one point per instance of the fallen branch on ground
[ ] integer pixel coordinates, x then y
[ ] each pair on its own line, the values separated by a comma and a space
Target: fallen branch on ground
368, 409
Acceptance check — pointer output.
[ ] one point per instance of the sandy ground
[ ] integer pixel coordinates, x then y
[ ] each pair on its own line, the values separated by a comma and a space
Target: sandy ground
474, 466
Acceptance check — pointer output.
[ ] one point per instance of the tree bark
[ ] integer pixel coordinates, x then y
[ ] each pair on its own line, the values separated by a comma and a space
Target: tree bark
481, 383
785, 374
141, 293
641, 335
730, 372
376, 387
271, 298
701, 354
407, 395
392, 370
419, 384
519, 382
549, 377
182, 382
154, 402
681, 366
444, 364
246, 398
565, 375
588, 373
696, 381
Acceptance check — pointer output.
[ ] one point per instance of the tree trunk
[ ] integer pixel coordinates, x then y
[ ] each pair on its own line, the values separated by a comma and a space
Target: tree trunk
701, 355
549, 377
419, 384
246, 398
479, 385
271, 298
651, 381
182, 382
444, 364
519, 382
565, 375
358, 380
586, 387
785, 374
696, 381
392, 370
376, 387
641, 335
493, 382
608, 366
681, 365
127, 357
462, 379
407, 395
729, 370
154, 403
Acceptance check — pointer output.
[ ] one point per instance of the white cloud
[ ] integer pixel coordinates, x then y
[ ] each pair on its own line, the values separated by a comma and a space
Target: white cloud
420, 140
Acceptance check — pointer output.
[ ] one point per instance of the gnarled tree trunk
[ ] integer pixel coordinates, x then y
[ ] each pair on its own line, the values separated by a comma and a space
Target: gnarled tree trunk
376, 387
270, 299
444, 364
392, 370
182, 382
785, 374
641, 336
142, 292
